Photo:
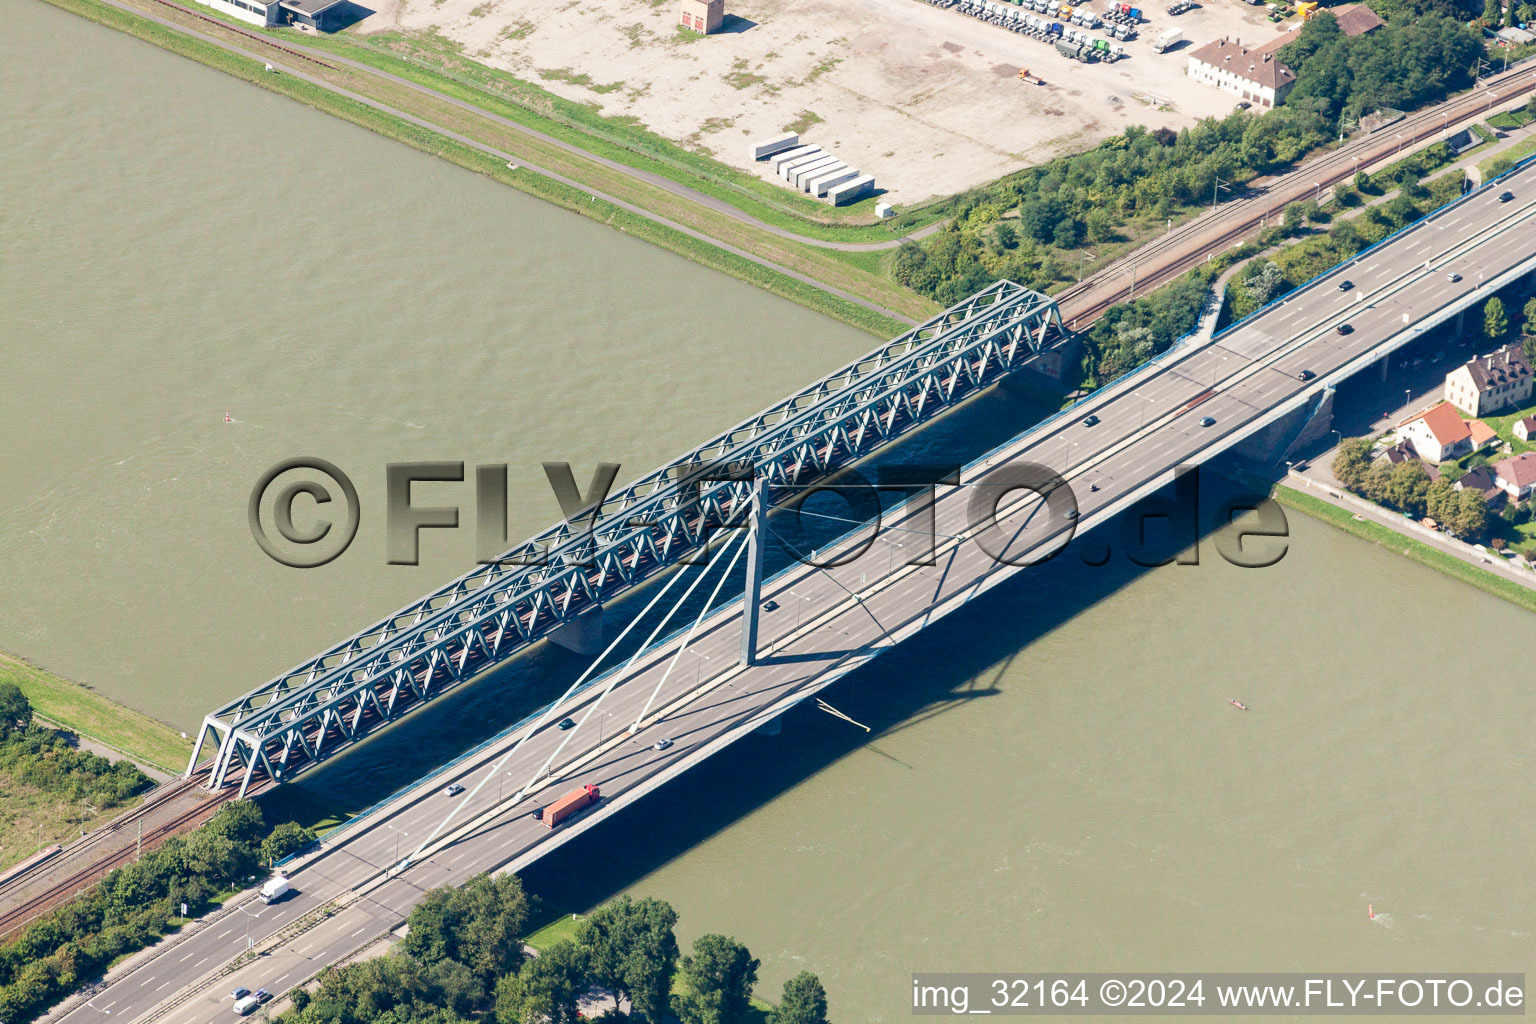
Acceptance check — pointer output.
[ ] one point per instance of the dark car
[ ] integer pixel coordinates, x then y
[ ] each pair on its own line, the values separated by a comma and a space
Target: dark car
262, 995
1346, 285
770, 605
566, 723
1305, 375
1091, 421
1505, 197
1207, 421
1071, 513
240, 992
1344, 329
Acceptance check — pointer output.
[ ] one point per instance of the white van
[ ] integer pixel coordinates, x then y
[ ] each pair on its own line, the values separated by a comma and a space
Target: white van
246, 1004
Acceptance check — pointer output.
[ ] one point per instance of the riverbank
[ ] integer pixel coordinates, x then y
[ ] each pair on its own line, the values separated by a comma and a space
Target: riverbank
489, 144
1417, 550
83, 711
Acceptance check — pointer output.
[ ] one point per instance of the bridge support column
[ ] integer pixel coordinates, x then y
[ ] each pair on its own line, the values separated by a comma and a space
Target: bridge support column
752, 599
772, 727
1386, 363
583, 634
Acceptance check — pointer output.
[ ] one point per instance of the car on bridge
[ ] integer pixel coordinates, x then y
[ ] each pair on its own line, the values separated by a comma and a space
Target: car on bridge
1505, 197
1207, 421
453, 790
1344, 329
663, 743
1091, 421
240, 992
566, 723
1305, 375
1346, 284
1453, 277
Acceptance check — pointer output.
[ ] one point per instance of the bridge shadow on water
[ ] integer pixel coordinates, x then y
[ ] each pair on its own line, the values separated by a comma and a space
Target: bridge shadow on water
956, 660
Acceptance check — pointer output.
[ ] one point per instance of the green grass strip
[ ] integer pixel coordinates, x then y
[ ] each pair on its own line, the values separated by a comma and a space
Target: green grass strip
83, 711
427, 141
1417, 550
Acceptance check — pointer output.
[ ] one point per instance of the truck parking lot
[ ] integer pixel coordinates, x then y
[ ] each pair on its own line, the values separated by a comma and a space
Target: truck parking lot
927, 99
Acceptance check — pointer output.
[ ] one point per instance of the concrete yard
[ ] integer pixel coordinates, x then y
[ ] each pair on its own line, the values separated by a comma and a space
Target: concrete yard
926, 99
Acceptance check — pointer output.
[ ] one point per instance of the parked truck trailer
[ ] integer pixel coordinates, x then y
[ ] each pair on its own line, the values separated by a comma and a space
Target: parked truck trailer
804, 171
783, 143
851, 191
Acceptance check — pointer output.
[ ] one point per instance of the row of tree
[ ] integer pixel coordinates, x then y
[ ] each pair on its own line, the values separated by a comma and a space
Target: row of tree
1034, 226
44, 757
462, 959
134, 906
1407, 487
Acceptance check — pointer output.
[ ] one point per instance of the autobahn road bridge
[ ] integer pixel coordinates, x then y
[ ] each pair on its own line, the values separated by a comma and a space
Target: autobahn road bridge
694, 689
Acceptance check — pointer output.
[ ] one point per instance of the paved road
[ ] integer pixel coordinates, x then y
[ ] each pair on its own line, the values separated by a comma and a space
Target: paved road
827, 621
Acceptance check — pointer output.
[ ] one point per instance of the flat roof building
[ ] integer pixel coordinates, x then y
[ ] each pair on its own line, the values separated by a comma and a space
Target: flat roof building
701, 15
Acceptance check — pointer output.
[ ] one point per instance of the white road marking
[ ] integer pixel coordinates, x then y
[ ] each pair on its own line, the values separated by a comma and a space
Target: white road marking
201, 962
223, 933
146, 981
161, 985
358, 932
187, 957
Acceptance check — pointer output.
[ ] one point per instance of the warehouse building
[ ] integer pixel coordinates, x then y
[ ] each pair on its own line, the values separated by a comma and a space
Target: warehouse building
322, 15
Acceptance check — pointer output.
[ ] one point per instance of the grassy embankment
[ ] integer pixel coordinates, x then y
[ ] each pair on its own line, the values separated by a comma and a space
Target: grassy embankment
818, 264
87, 713
1417, 550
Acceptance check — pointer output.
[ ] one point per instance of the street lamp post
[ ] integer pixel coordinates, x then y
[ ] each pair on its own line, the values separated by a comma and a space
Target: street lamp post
248, 917
1407, 395
398, 833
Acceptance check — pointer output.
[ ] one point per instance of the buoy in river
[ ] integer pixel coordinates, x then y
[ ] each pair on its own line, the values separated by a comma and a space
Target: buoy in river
1370, 912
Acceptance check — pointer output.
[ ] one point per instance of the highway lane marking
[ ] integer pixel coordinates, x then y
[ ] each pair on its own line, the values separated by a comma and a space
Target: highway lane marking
187, 957
161, 985
109, 1006
358, 932
223, 933
279, 981
201, 962
146, 981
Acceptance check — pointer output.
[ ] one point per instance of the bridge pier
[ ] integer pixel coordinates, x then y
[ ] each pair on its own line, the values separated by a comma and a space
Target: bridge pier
772, 727
1292, 432
583, 634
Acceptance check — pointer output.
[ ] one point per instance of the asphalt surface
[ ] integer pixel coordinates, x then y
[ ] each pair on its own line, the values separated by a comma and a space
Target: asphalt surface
828, 621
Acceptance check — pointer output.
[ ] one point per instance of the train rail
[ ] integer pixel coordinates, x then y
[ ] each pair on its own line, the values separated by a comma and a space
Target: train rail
109, 853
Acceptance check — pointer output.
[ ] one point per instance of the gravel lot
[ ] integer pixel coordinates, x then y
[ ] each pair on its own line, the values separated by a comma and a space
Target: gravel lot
926, 99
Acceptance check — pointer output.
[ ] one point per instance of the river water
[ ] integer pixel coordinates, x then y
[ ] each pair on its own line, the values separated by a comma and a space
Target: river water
1054, 780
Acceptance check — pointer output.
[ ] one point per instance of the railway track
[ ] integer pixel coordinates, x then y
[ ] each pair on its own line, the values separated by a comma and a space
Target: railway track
1191, 244
109, 853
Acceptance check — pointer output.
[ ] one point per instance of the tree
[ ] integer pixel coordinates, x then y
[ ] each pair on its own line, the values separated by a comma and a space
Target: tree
1440, 502
1263, 282
632, 951
1470, 517
548, 987
1495, 319
718, 977
1528, 320
1493, 13
15, 709
1007, 237
1353, 462
289, 837
1378, 482
804, 1001
1409, 488
478, 924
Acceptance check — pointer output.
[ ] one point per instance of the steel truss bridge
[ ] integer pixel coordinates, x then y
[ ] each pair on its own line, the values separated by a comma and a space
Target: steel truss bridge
497, 610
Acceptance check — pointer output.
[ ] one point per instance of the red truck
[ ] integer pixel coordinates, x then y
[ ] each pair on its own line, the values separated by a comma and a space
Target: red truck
568, 805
